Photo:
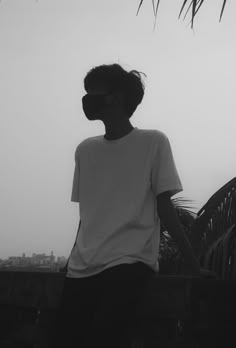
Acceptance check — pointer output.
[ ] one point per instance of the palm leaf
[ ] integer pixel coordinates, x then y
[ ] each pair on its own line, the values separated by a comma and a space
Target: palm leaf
153, 6
170, 257
200, 4
222, 10
195, 5
205, 229
157, 6
182, 8
214, 218
140, 4
188, 10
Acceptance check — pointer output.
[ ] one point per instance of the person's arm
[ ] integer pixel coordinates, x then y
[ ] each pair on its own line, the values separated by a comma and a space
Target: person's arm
170, 220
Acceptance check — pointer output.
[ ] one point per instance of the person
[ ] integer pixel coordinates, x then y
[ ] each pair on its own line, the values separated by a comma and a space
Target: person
123, 181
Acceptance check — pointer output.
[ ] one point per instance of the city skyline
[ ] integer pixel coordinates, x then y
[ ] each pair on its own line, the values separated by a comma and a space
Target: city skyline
23, 254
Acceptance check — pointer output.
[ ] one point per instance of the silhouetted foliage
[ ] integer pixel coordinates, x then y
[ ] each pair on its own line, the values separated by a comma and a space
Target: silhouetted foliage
192, 6
215, 217
207, 231
170, 258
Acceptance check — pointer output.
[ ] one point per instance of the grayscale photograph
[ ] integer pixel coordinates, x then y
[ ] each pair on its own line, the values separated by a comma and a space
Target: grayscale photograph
118, 174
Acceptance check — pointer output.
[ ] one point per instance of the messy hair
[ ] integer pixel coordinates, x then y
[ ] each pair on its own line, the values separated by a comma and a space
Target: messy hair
116, 79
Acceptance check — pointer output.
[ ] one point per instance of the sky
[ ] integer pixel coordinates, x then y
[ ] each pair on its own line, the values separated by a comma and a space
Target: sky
47, 47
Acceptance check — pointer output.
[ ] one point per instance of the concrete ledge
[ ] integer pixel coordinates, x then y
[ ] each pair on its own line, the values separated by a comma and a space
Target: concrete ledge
166, 295
29, 302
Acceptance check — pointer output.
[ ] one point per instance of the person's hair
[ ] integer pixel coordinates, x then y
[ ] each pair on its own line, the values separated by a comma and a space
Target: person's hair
115, 79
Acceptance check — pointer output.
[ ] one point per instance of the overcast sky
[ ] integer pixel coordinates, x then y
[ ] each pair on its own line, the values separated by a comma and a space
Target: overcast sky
47, 47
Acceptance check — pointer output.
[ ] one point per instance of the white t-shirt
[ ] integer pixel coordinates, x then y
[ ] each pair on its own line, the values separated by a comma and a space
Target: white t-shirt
116, 183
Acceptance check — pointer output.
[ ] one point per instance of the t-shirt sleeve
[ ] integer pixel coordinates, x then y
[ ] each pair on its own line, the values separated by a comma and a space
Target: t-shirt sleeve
164, 175
75, 186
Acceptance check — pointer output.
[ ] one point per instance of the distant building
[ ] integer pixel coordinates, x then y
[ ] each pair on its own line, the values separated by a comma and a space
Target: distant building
37, 262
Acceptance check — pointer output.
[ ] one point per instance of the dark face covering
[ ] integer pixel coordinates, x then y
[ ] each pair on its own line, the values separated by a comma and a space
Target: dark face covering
93, 104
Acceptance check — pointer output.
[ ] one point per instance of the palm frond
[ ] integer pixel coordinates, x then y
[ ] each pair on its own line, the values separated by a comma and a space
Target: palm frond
182, 7
222, 10
194, 5
153, 6
188, 10
205, 230
184, 212
155, 11
170, 257
140, 4
199, 5
183, 205
215, 217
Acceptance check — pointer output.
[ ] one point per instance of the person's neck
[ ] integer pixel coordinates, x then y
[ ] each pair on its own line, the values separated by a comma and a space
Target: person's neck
117, 127
116, 130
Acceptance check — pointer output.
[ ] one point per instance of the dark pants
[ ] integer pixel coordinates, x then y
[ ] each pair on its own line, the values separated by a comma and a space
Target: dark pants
99, 310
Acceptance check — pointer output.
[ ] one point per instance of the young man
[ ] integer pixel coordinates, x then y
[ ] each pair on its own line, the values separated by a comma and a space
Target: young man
123, 182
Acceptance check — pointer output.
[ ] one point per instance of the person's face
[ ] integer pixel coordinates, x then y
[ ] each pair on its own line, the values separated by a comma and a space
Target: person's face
99, 103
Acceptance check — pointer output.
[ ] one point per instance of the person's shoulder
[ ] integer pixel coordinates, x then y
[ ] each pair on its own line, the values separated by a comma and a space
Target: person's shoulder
87, 142
155, 134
